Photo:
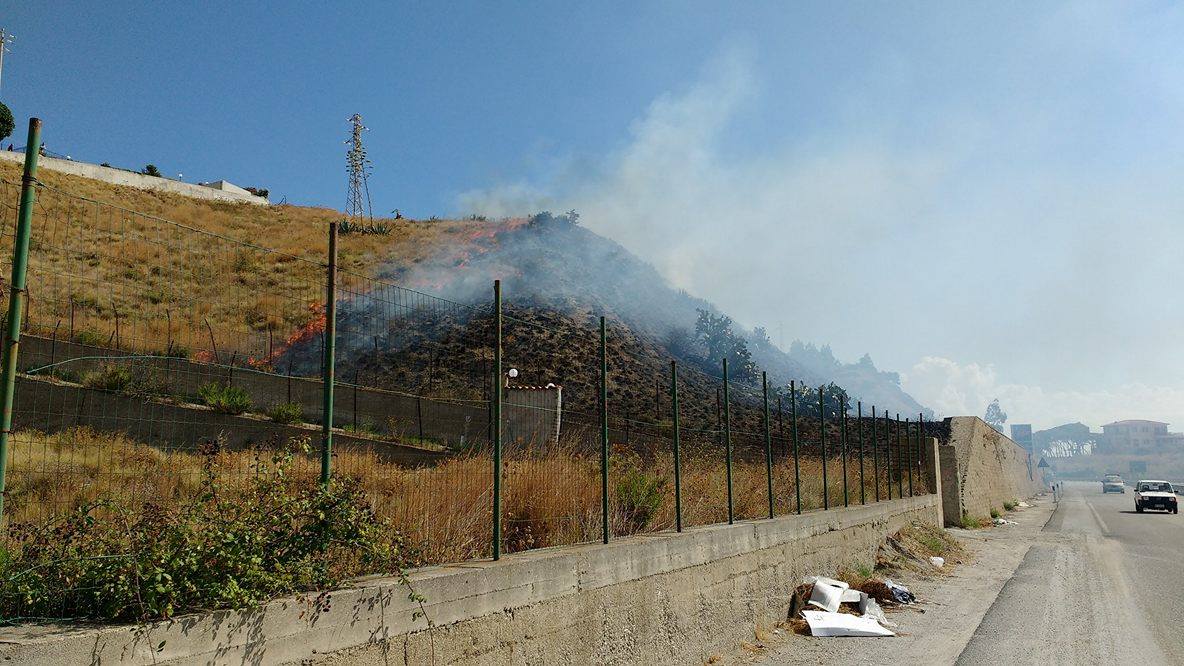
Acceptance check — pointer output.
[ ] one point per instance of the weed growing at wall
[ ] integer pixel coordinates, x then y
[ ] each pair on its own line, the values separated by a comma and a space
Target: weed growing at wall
286, 412
223, 398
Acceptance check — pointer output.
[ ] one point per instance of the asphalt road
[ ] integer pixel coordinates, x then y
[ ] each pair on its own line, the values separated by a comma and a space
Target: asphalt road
1099, 583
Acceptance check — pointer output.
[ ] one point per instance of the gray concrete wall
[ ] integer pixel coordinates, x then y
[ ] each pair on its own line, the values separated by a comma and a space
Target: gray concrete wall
133, 179
982, 469
447, 423
49, 406
661, 598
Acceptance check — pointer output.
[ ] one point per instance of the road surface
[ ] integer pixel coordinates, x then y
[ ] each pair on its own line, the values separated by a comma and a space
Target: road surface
1100, 583
1085, 581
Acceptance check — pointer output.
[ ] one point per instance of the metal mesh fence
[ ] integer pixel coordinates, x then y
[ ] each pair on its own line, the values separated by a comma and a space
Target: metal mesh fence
151, 348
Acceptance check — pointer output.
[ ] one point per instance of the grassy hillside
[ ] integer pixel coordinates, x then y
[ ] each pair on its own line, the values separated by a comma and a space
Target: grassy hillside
121, 276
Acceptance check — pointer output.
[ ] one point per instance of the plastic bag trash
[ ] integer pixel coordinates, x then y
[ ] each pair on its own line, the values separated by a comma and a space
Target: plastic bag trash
869, 608
826, 596
1023, 505
900, 592
937, 562
1001, 521
840, 624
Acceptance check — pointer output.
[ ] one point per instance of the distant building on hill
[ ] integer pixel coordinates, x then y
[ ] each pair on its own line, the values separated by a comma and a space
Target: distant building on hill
1137, 435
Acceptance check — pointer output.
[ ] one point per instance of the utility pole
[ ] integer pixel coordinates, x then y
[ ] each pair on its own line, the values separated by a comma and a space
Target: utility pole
6, 38
357, 205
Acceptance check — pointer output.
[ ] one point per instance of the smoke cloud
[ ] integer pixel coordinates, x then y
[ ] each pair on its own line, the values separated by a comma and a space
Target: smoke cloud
1010, 198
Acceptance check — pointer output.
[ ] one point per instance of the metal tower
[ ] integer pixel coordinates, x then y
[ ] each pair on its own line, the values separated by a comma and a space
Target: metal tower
357, 205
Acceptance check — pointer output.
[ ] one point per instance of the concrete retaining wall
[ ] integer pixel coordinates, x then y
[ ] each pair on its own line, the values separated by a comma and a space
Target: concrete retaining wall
50, 406
981, 469
133, 179
662, 598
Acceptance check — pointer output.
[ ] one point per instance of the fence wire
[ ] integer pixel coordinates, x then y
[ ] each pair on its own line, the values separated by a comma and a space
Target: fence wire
153, 352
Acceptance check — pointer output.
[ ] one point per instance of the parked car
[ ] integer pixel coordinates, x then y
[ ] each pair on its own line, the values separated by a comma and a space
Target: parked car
1112, 483
1155, 495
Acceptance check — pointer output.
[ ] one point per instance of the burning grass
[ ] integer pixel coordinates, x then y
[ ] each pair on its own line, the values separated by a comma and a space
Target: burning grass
550, 497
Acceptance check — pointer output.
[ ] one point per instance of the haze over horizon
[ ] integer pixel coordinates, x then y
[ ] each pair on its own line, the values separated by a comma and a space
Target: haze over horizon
984, 199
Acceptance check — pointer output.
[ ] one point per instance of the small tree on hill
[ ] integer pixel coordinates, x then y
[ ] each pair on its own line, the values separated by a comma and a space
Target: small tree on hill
151, 170
715, 332
6, 123
995, 416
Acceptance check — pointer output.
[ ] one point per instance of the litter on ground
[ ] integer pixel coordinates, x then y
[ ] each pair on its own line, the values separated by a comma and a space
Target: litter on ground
826, 596
823, 623
1003, 521
937, 562
900, 592
1023, 505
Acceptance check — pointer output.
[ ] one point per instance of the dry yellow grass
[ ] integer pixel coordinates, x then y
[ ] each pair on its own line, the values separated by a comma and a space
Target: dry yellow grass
551, 498
133, 276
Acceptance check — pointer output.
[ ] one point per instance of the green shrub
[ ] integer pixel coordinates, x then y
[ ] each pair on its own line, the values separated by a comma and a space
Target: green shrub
286, 412
223, 398
1011, 505
363, 427
995, 512
108, 377
237, 545
638, 498
969, 522
90, 338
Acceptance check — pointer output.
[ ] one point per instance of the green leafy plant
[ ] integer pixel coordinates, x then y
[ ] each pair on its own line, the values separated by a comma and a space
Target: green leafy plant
639, 497
969, 522
89, 338
286, 412
224, 398
151, 170
233, 545
108, 377
363, 427
1010, 505
995, 512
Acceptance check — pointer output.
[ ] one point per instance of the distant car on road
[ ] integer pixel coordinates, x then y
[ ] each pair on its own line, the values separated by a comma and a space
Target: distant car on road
1155, 495
1112, 483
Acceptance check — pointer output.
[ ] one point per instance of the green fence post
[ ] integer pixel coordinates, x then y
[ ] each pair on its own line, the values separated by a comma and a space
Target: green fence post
768, 442
604, 429
497, 419
728, 440
875, 454
859, 424
899, 461
908, 444
921, 447
797, 468
330, 356
843, 444
677, 457
17, 294
888, 452
822, 443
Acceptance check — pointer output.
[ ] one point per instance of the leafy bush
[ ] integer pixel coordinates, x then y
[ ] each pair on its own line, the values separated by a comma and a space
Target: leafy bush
89, 338
108, 377
151, 170
120, 378
231, 546
363, 427
286, 412
223, 398
639, 496
994, 512
1011, 505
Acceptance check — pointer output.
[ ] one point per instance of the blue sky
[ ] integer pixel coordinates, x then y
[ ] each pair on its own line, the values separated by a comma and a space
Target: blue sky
986, 197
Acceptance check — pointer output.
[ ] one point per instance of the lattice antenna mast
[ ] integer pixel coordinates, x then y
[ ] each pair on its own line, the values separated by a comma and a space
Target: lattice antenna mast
357, 206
